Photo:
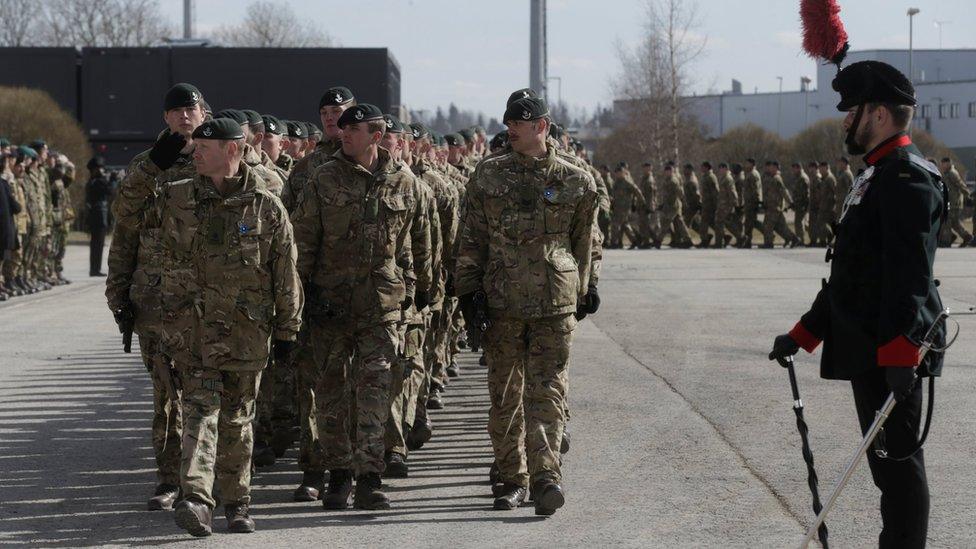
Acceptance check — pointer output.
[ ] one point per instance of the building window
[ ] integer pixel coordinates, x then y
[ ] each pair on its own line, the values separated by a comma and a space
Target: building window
972, 110
943, 110
954, 110
927, 110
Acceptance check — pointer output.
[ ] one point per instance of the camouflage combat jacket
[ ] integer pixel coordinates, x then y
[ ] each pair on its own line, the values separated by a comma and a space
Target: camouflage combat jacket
353, 230
305, 169
230, 284
527, 237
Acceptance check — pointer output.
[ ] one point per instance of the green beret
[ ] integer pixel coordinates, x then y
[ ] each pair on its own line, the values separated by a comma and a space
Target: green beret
273, 125
528, 108
336, 97
38, 144
24, 150
219, 128
524, 93
313, 130
296, 130
4, 142
499, 141
437, 139
253, 118
234, 114
467, 135
454, 140
419, 131
364, 112
182, 95
393, 124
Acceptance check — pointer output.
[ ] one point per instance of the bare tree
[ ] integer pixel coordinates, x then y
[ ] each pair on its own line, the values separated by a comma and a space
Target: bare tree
273, 25
655, 76
17, 22
102, 23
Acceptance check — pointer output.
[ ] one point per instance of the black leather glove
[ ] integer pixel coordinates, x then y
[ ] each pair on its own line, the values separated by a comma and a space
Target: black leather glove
449, 285
466, 303
124, 317
901, 381
166, 150
783, 346
421, 300
282, 348
406, 303
590, 303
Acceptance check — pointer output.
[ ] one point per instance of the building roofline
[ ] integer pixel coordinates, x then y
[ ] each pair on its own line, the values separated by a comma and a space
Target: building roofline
916, 50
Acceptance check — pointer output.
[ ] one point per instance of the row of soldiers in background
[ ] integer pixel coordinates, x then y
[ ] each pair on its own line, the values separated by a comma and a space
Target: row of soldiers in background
35, 213
363, 229
723, 207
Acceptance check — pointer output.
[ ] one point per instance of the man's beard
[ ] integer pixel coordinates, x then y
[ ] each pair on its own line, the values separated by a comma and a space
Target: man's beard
856, 144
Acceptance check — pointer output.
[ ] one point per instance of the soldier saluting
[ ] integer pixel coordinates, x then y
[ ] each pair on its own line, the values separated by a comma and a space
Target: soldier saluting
881, 297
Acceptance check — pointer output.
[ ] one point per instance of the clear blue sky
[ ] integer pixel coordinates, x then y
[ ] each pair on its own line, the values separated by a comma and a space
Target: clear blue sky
474, 52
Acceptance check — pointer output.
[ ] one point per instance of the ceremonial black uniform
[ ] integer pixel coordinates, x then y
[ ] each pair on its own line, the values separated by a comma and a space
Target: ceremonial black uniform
98, 193
881, 300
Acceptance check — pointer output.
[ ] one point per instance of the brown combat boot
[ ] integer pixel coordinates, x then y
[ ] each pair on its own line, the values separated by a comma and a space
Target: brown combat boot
368, 494
548, 497
164, 497
194, 517
340, 487
238, 519
312, 486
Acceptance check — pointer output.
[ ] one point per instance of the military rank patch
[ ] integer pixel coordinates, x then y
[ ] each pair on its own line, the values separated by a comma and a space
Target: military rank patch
242, 227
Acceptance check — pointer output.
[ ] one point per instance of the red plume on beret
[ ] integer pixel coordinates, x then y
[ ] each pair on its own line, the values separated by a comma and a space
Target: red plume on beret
824, 36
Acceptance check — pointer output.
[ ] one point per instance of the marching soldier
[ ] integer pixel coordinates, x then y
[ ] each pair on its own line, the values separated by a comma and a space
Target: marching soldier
881, 298
958, 194
545, 208
647, 223
709, 200
135, 271
801, 201
751, 200
672, 223
845, 178
231, 294
817, 235
626, 196
353, 228
828, 202
727, 224
775, 199
692, 199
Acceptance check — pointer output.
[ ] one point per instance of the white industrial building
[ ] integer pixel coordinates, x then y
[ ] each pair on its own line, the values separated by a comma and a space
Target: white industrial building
945, 84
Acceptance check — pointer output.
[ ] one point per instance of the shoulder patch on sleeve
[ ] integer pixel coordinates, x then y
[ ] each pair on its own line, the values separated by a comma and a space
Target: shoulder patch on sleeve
923, 164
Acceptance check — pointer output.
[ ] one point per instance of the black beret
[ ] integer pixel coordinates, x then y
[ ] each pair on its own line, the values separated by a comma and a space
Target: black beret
647, 164
946, 159
528, 108
233, 114
296, 130
313, 130
363, 112
182, 95
393, 124
707, 165
336, 97
454, 140
499, 141
688, 166
37, 144
419, 131
253, 118
273, 125
523, 93
621, 165
556, 131
96, 162
219, 128
722, 165
437, 138
751, 160
872, 82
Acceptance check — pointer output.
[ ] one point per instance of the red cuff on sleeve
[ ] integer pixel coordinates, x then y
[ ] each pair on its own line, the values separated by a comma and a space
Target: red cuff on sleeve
898, 352
804, 338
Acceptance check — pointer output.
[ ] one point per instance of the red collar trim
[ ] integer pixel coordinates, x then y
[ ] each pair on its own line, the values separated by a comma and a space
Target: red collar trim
885, 148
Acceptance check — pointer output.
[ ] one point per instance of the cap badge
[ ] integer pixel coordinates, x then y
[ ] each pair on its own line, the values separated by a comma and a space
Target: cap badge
338, 97
207, 132
358, 115
271, 126
193, 96
526, 115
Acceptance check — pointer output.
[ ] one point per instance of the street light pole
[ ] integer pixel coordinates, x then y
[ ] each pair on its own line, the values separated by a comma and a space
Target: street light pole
912, 12
779, 107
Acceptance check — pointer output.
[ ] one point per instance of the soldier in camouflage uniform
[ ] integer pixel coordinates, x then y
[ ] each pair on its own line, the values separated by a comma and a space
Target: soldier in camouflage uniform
333, 103
776, 199
817, 237
709, 201
669, 205
39, 197
958, 194
647, 222
361, 268
231, 293
134, 273
61, 173
752, 198
626, 197
727, 224
14, 268
692, 205
828, 203
530, 201
845, 179
800, 191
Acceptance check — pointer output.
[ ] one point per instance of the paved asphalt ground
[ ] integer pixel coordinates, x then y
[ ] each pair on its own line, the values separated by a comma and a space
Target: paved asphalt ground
683, 434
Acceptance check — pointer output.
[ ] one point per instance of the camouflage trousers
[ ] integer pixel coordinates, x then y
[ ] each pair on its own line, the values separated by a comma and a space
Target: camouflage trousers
814, 226
406, 378
218, 410
954, 227
799, 223
750, 219
353, 392
527, 379
40, 252
277, 406
706, 225
774, 222
674, 225
727, 222
456, 329
14, 265
167, 421
306, 377
648, 226
58, 244
620, 227
437, 344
